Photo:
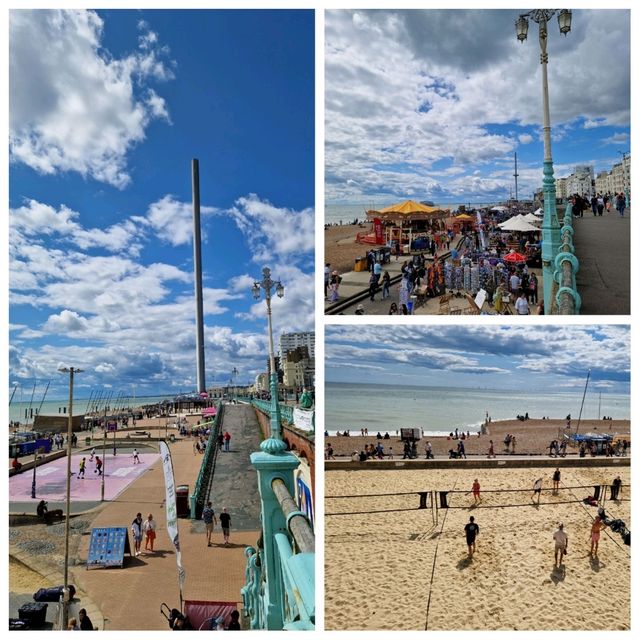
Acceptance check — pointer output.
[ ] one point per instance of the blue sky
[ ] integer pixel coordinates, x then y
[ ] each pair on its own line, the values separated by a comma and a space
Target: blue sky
433, 104
522, 359
107, 110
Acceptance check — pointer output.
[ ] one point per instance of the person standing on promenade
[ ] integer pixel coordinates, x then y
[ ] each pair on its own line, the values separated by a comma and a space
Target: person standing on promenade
475, 488
149, 528
616, 485
461, 451
227, 439
428, 450
386, 283
620, 203
537, 490
225, 523
373, 285
136, 531
491, 451
562, 541
513, 444
83, 466
522, 306
209, 519
556, 481
136, 457
597, 526
327, 278
334, 286
471, 531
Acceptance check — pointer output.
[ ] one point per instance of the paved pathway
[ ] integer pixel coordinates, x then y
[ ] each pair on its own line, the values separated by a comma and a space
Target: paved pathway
130, 597
603, 245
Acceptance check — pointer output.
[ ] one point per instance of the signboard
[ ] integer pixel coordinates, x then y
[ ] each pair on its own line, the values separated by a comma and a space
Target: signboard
305, 503
108, 546
377, 227
303, 419
112, 425
410, 434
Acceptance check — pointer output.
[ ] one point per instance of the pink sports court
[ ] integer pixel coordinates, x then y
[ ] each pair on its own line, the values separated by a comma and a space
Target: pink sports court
51, 478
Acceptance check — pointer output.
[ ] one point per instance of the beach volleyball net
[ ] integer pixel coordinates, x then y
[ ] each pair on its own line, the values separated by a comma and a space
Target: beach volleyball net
437, 499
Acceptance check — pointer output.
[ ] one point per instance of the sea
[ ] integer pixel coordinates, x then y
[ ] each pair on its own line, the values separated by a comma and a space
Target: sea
440, 410
25, 410
347, 213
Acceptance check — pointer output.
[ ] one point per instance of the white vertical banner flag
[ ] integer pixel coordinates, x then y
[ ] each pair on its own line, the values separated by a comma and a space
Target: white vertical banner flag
171, 509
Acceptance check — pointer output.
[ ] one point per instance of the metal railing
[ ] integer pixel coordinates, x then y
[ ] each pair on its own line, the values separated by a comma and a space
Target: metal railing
203, 483
286, 411
295, 571
567, 300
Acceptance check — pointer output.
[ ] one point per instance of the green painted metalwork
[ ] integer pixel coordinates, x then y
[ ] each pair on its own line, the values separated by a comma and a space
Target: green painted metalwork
197, 498
567, 300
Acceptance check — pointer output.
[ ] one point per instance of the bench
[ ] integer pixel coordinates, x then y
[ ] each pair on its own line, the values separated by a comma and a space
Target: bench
142, 433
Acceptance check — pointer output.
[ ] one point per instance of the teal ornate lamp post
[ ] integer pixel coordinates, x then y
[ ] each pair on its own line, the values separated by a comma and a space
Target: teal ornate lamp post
272, 462
273, 444
550, 224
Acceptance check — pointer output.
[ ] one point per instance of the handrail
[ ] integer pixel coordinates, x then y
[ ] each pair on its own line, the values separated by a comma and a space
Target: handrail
197, 497
568, 301
297, 521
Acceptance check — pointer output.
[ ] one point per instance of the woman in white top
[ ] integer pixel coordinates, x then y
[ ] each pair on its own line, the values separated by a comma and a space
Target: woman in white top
149, 528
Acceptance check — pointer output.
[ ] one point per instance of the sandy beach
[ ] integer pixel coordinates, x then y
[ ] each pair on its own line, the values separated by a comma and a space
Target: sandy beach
340, 247
401, 570
532, 438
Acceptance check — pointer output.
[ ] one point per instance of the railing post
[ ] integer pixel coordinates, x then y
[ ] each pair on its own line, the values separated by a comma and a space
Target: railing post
269, 467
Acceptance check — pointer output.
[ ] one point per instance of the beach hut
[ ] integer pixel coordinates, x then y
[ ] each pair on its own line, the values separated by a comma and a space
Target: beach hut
402, 216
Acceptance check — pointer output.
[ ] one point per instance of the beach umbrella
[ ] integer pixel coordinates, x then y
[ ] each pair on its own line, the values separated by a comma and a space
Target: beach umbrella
538, 212
514, 256
518, 224
532, 218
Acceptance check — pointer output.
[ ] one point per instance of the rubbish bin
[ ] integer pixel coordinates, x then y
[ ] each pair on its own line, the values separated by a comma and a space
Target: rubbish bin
172, 437
182, 501
87, 440
358, 264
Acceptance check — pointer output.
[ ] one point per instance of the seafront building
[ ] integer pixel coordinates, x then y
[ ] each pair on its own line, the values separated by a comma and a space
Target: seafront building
291, 341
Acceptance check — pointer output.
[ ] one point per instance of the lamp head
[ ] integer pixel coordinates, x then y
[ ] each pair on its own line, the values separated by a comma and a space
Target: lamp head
280, 289
564, 21
522, 26
256, 290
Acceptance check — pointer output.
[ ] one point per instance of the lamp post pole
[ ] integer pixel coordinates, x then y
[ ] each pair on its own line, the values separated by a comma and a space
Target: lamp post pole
65, 599
550, 225
273, 444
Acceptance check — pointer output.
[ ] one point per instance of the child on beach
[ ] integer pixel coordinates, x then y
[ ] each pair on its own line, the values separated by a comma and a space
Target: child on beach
475, 488
596, 528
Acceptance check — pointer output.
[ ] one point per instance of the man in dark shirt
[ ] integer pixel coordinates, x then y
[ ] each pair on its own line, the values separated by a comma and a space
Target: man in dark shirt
225, 523
471, 530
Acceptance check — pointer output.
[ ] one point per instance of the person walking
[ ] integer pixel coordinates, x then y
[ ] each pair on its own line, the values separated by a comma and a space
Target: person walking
136, 531
209, 519
136, 458
373, 285
227, 439
471, 531
98, 468
149, 528
225, 523
475, 488
597, 526
327, 278
561, 540
386, 283
556, 481
616, 485
537, 490
83, 466
621, 203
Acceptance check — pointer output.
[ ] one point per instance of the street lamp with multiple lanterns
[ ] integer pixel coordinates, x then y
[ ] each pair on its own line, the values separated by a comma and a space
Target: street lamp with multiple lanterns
550, 225
274, 444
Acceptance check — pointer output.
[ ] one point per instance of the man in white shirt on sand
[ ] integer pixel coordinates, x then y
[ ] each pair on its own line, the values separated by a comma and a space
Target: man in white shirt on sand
562, 540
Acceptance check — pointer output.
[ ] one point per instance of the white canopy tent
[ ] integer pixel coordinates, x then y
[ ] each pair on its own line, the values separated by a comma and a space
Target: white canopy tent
518, 223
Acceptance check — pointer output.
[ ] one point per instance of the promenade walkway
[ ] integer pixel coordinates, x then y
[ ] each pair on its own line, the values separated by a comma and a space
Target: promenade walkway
603, 247
130, 597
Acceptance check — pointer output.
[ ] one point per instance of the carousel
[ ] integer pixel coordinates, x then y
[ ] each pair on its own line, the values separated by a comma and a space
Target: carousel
404, 223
